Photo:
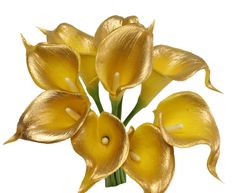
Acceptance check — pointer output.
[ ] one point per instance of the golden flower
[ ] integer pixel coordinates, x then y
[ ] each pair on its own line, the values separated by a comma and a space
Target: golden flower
124, 58
53, 66
185, 120
103, 143
82, 44
53, 116
148, 153
121, 56
171, 64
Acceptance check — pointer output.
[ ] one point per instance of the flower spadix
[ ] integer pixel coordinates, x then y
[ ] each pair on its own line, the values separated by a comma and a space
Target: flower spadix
124, 58
103, 143
53, 66
82, 44
53, 116
185, 120
171, 64
111, 24
151, 160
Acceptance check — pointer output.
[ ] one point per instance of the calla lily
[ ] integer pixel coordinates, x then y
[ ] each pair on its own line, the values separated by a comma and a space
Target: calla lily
111, 24
151, 160
53, 66
71, 36
171, 64
185, 120
124, 58
103, 143
53, 116
82, 44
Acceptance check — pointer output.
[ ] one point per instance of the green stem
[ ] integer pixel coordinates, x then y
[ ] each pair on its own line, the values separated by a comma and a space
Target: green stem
139, 106
94, 93
118, 177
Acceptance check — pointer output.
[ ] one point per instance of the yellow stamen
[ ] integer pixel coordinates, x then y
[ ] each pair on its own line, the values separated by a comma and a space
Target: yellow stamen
116, 81
170, 127
105, 140
174, 127
134, 156
73, 114
73, 87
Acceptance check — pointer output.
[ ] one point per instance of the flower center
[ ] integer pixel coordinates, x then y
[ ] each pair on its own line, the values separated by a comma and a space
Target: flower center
73, 114
170, 127
73, 87
134, 156
105, 140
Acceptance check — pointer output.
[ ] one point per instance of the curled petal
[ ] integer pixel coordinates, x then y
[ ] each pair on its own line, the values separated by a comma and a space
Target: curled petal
53, 66
172, 64
111, 24
82, 44
124, 58
151, 160
53, 116
103, 143
72, 37
185, 120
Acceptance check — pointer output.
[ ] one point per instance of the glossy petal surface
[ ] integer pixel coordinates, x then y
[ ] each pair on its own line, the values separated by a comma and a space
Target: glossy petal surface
111, 24
185, 120
46, 119
172, 64
151, 160
127, 52
71, 36
103, 143
53, 66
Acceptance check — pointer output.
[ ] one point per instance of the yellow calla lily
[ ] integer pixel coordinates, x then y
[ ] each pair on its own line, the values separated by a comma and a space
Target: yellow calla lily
111, 24
124, 58
71, 36
53, 116
148, 154
103, 143
82, 44
53, 66
171, 64
185, 120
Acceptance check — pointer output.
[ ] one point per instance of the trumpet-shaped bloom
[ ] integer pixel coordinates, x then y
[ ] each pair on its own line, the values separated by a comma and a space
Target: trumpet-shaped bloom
82, 44
53, 66
103, 143
124, 58
151, 160
171, 64
71, 36
111, 24
185, 120
53, 116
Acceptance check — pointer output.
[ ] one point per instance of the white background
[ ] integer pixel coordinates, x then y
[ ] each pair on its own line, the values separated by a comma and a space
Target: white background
203, 27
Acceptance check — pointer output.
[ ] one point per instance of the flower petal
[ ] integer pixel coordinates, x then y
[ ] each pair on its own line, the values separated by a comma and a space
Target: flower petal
53, 66
185, 120
47, 119
82, 44
111, 24
172, 64
71, 36
151, 160
124, 58
88, 71
103, 143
